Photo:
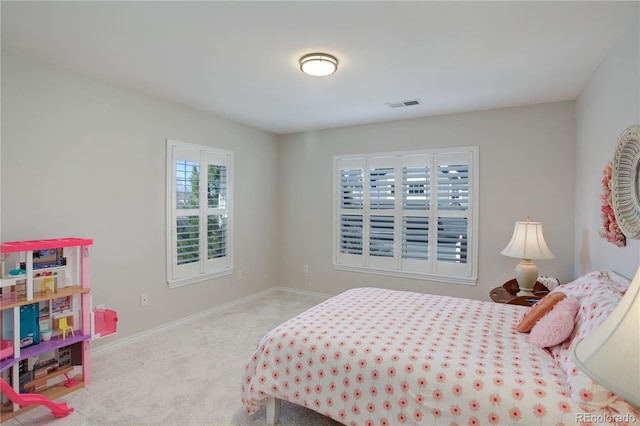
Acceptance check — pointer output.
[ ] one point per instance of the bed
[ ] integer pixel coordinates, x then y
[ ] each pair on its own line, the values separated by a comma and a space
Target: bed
373, 356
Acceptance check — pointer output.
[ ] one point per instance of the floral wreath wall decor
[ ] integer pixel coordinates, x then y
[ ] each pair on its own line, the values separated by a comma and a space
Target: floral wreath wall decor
610, 230
623, 184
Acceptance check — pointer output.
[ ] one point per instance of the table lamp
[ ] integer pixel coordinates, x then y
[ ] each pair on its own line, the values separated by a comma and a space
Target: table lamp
610, 355
527, 243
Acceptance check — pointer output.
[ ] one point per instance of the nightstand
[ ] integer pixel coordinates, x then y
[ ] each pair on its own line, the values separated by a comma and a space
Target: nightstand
508, 293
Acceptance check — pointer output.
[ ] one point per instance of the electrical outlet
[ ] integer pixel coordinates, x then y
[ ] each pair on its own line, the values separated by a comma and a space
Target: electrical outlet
240, 274
100, 307
144, 299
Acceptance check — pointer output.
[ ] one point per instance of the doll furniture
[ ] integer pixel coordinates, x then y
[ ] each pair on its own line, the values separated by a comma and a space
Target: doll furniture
45, 277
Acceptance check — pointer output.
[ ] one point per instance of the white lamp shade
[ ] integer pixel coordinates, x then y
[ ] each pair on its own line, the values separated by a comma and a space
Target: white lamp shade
610, 355
528, 242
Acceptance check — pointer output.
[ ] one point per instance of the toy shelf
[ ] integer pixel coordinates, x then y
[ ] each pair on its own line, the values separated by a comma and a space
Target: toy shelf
43, 347
42, 281
9, 280
59, 390
38, 297
48, 377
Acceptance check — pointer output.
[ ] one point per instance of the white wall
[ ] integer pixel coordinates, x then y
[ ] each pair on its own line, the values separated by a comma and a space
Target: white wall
607, 105
86, 159
527, 168
82, 158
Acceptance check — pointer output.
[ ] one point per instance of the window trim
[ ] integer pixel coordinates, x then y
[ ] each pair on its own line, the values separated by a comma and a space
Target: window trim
171, 215
472, 216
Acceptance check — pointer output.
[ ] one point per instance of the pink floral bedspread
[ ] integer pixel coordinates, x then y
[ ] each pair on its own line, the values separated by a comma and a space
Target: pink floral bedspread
381, 357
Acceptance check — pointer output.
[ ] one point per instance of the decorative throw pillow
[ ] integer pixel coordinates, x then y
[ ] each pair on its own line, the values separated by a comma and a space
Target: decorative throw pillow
538, 310
556, 325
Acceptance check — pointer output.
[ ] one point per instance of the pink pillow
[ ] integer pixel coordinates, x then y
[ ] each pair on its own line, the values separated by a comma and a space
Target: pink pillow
556, 325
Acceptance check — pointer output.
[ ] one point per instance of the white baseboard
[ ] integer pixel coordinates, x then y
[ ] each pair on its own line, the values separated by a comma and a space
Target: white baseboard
151, 332
305, 292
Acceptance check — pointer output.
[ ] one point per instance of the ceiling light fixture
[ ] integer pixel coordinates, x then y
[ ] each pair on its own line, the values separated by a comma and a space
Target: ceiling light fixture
318, 64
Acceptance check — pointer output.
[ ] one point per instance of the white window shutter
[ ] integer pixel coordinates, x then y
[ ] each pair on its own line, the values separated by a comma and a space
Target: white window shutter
407, 214
199, 230
454, 209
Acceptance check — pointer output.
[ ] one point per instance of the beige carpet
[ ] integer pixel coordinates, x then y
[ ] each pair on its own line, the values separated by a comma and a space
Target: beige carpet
187, 375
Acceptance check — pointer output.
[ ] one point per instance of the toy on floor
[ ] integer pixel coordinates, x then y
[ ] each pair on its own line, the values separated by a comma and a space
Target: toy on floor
58, 409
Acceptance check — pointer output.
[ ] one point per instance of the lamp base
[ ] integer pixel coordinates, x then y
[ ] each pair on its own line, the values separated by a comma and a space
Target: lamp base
526, 276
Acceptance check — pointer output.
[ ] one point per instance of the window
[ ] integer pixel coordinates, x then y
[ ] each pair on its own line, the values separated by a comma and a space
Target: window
199, 212
408, 214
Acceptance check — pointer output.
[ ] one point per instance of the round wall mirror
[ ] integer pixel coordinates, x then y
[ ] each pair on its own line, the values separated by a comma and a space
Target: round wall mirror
625, 182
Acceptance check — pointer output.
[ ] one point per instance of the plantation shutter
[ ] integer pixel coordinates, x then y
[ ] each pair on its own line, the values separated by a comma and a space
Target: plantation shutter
407, 214
200, 201
381, 212
187, 250
351, 194
453, 204
415, 213
217, 204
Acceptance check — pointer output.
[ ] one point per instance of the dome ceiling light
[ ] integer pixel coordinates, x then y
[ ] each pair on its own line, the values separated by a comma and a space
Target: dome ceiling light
318, 64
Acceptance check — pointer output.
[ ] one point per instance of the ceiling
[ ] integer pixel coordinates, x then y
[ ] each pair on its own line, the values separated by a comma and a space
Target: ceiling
239, 59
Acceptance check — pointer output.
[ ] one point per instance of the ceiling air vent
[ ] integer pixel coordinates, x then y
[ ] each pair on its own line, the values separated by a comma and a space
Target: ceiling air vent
400, 104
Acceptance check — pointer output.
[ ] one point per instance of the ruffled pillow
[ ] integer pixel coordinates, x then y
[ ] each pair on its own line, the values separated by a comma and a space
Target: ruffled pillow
556, 325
